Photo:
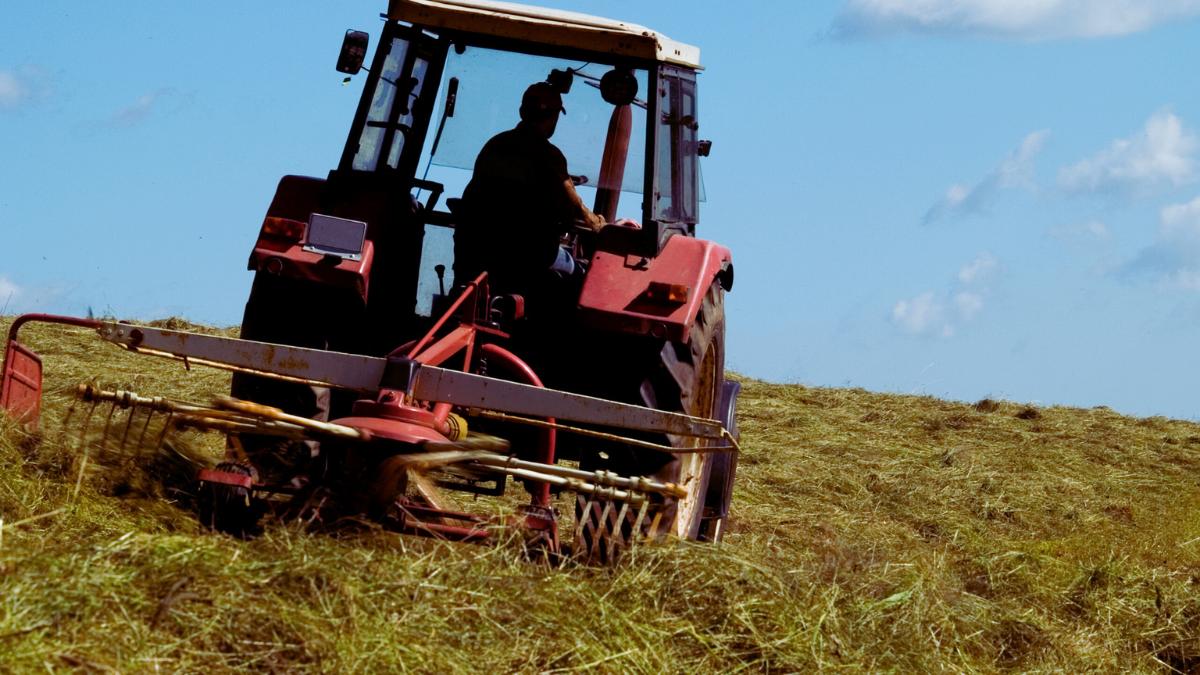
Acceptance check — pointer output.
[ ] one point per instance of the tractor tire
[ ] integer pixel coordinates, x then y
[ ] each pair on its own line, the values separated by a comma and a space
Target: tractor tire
685, 377
724, 467
691, 381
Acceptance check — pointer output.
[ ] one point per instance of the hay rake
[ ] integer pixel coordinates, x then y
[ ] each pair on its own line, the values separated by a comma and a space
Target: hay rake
405, 441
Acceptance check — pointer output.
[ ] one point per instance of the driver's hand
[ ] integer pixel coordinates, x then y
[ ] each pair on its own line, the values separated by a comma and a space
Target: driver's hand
594, 222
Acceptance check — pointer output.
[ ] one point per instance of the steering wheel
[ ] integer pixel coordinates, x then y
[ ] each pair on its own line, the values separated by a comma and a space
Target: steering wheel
434, 188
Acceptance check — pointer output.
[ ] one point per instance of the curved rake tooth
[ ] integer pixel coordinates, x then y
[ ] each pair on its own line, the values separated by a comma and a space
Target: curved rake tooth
653, 532
641, 516
162, 436
585, 526
128, 424
81, 441
66, 423
86, 447
617, 540
112, 410
140, 447
606, 531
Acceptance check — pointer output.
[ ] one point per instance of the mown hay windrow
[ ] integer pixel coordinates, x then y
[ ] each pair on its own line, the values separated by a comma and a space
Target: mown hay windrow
871, 532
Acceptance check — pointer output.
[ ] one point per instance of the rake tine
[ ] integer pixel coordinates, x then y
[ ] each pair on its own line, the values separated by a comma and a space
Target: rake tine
87, 424
163, 435
585, 526
580, 520
112, 410
66, 422
606, 530
596, 525
128, 424
641, 517
620, 534
86, 447
654, 524
141, 444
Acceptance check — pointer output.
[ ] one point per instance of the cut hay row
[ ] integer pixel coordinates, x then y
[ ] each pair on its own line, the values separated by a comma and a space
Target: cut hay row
872, 532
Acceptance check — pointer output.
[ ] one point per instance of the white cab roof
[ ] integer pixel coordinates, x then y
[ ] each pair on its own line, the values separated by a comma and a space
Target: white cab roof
547, 26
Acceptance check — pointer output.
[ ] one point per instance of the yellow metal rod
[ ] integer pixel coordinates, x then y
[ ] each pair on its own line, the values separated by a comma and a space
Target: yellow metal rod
637, 443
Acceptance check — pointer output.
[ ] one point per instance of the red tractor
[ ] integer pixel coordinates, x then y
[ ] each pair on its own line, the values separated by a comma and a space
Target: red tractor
357, 332
358, 262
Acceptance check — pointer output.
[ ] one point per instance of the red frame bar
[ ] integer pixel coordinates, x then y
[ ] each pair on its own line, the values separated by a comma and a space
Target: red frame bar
472, 289
21, 374
49, 318
542, 496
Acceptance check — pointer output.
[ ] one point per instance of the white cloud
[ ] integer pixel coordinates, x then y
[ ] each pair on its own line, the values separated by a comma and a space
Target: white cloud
142, 108
1173, 259
1009, 19
1176, 217
1092, 230
919, 315
24, 85
941, 313
1162, 152
1085, 236
978, 269
968, 304
12, 90
1014, 171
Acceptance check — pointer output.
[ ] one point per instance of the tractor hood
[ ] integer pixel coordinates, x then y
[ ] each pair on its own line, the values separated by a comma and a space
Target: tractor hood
546, 26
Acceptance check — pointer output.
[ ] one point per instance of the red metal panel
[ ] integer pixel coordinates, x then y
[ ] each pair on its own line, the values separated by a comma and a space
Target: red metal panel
614, 294
291, 260
21, 383
396, 430
225, 478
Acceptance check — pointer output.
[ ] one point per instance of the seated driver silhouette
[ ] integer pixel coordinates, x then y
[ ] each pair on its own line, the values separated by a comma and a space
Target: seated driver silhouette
520, 202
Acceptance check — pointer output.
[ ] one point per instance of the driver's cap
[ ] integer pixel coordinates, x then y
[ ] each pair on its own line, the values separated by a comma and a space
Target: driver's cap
541, 100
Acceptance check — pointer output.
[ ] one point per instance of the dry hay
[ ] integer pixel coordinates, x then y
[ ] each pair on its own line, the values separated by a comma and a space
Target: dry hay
872, 532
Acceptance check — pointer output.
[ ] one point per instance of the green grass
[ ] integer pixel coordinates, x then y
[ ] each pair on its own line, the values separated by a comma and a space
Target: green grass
872, 532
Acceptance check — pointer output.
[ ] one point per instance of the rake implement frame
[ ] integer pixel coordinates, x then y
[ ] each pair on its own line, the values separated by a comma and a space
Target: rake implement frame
405, 424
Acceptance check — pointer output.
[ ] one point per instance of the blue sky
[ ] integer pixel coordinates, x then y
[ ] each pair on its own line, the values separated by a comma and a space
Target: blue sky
962, 198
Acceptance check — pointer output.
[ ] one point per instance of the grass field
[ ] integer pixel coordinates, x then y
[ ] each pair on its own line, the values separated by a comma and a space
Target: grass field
872, 532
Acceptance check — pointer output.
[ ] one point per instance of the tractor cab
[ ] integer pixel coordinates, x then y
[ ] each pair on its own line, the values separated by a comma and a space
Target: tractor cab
446, 77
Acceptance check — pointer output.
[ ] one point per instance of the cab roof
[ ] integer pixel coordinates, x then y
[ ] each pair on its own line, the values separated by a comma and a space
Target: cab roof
545, 26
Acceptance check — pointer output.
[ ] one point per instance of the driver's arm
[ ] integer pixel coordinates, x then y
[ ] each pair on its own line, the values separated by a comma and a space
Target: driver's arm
593, 221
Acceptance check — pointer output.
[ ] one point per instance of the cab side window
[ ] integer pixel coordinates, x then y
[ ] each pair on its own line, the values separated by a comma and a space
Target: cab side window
676, 198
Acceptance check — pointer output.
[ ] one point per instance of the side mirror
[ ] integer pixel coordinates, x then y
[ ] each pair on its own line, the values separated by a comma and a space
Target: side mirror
619, 86
354, 50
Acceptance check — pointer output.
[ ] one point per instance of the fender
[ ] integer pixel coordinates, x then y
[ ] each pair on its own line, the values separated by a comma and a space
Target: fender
654, 296
296, 198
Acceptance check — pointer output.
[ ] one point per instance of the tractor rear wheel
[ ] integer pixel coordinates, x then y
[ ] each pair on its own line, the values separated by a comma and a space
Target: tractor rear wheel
688, 377
691, 382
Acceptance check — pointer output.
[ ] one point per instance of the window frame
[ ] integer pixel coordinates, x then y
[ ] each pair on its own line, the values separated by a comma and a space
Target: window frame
675, 84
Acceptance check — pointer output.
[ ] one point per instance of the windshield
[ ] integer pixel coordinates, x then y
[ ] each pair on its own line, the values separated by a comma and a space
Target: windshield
490, 85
